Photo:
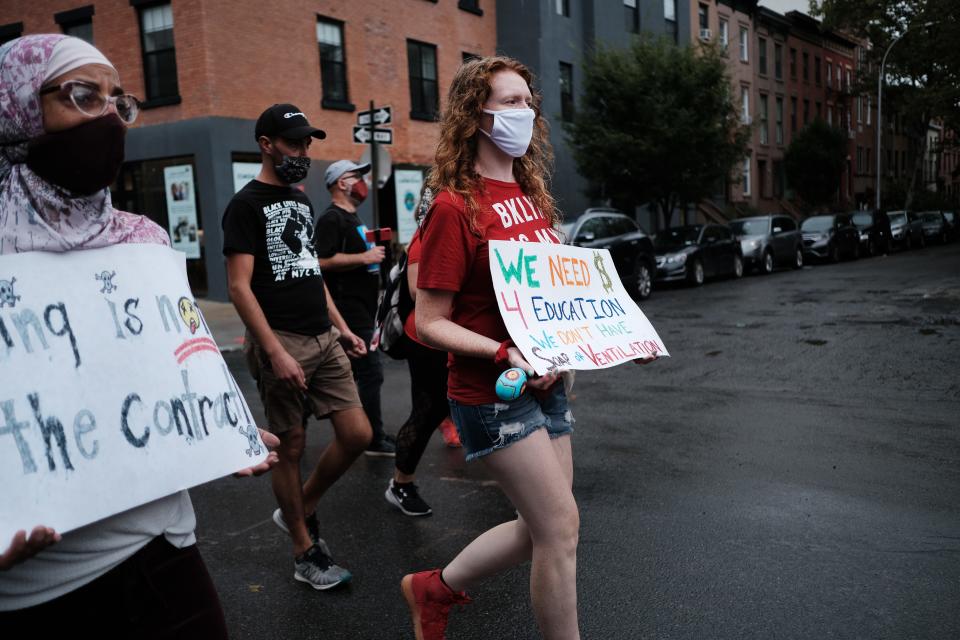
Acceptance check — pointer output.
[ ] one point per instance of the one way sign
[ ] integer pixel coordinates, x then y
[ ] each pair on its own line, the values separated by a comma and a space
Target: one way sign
382, 116
361, 135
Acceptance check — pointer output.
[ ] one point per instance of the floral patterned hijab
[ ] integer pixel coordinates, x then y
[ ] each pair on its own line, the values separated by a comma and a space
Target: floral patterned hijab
36, 215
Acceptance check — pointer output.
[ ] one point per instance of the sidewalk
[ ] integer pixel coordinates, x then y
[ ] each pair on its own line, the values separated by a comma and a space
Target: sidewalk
225, 325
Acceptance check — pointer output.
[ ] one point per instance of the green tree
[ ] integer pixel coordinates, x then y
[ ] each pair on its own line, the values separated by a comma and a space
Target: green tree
814, 162
922, 71
657, 123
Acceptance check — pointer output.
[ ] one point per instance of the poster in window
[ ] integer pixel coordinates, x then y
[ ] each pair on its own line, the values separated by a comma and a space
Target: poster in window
408, 184
182, 209
244, 172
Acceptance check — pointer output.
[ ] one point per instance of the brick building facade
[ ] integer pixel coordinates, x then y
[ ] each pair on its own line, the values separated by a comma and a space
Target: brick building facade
207, 68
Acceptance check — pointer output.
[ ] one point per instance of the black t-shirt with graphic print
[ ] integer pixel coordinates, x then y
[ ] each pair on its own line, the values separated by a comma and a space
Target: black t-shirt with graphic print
354, 290
275, 226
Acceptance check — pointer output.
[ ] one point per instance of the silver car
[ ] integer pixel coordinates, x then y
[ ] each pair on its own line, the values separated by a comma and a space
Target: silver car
767, 241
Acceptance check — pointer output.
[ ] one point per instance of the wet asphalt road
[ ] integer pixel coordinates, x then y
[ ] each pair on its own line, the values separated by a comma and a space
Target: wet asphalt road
793, 471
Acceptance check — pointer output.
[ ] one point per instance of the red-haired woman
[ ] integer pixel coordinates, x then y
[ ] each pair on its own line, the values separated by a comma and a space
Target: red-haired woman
490, 181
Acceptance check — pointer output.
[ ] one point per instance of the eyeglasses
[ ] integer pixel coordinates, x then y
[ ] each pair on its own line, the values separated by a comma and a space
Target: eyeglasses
89, 101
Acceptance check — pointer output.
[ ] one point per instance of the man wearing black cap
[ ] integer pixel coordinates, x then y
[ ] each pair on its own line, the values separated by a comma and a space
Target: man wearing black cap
351, 265
297, 358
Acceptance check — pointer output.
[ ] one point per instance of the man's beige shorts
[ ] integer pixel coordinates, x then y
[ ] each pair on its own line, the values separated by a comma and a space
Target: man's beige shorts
330, 385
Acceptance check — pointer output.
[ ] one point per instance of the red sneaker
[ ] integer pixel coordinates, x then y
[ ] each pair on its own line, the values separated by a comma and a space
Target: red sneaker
430, 601
449, 432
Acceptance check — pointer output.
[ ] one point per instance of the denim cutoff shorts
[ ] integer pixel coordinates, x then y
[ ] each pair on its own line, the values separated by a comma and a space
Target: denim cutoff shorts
485, 428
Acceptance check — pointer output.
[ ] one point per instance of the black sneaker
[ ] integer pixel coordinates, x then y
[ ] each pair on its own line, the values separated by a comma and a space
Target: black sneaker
313, 528
405, 497
384, 447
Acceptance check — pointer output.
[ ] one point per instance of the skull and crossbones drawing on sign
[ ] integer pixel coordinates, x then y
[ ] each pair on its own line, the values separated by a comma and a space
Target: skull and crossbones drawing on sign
6, 293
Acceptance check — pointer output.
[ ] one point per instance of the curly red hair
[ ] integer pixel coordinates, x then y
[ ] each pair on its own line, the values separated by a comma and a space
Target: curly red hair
454, 164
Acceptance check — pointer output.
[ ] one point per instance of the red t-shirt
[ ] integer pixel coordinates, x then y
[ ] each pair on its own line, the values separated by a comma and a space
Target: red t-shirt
456, 259
413, 257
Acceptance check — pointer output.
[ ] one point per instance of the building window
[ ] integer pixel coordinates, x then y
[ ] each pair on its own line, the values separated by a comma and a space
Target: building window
762, 56
744, 44
473, 6
793, 116
859, 160
10, 31
779, 124
563, 8
724, 34
333, 64
566, 91
422, 65
806, 112
762, 191
764, 132
868, 166
819, 110
859, 109
670, 10
159, 54
632, 15
703, 18
806, 67
839, 78
869, 109
829, 75
793, 64
745, 105
77, 22
778, 61
816, 70
746, 176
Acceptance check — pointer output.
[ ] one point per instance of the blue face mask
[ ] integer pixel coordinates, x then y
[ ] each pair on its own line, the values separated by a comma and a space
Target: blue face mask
512, 130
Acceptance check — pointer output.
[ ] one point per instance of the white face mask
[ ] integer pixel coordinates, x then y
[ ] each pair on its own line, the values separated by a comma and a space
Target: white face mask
512, 130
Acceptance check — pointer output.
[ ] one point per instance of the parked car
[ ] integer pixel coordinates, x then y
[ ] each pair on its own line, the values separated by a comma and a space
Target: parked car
697, 252
953, 231
766, 241
830, 237
934, 226
630, 247
906, 230
874, 229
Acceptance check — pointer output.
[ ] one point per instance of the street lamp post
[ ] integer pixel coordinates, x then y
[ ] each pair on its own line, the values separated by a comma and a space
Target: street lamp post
883, 62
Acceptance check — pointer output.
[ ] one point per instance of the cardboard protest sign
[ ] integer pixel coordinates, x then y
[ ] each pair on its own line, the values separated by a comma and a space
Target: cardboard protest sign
112, 391
565, 307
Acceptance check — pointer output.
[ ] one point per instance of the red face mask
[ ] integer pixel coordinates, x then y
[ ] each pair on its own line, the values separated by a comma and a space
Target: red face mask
358, 191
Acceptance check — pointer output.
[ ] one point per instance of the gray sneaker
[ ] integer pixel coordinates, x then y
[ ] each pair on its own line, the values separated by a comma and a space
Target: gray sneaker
316, 568
313, 528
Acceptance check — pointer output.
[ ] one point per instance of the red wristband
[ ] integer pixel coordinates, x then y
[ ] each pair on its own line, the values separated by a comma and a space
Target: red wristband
501, 358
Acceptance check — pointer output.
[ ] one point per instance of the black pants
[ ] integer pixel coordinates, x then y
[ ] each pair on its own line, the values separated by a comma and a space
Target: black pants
368, 374
161, 592
428, 391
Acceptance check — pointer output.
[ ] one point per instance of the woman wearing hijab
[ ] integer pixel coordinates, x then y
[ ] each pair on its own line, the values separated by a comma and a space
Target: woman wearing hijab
63, 120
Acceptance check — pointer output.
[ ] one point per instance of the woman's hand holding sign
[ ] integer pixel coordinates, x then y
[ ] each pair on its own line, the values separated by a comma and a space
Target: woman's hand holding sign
544, 382
23, 547
272, 443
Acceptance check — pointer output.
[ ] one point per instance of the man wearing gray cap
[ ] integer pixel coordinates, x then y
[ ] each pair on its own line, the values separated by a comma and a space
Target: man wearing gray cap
351, 266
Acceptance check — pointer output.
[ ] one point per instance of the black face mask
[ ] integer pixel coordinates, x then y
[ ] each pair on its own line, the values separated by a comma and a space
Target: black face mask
83, 159
292, 168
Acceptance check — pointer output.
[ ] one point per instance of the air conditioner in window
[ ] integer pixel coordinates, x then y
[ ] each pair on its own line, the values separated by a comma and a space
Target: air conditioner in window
705, 34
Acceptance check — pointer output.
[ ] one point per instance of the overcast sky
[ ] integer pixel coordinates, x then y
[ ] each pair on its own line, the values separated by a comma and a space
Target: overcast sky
782, 6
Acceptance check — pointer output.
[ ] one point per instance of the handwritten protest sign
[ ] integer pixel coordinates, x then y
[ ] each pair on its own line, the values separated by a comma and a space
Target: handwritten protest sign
112, 392
565, 307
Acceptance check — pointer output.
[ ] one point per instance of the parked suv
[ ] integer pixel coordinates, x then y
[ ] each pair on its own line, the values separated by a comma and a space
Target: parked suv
906, 230
767, 241
874, 228
630, 247
830, 237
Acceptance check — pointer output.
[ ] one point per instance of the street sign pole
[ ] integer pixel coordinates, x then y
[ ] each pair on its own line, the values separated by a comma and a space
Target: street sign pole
374, 169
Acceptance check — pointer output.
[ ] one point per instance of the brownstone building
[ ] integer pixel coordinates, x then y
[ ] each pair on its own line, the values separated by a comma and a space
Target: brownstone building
206, 69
